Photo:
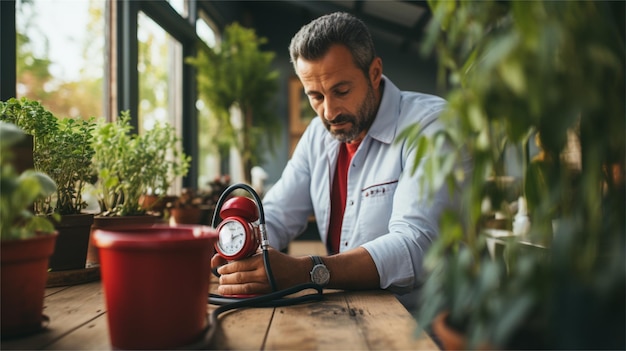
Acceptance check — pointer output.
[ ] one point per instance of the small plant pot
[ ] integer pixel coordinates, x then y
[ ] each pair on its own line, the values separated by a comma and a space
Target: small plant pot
93, 259
185, 215
155, 204
70, 250
24, 269
156, 281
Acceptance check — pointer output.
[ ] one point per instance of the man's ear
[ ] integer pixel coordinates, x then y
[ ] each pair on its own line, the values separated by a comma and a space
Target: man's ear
376, 72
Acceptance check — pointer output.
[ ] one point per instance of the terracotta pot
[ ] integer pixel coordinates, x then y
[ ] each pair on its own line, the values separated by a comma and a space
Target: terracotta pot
24, 271
185, 215
191, 215
70, 250
155, 203
115, 222
449, 338
156, 281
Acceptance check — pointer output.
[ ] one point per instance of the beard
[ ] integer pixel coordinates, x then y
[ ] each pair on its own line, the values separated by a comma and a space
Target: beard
360, 122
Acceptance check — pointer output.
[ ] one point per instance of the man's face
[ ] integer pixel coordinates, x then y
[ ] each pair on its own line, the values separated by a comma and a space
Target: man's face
345, 99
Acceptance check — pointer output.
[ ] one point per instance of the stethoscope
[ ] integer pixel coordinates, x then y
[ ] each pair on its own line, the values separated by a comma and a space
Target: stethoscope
273, 299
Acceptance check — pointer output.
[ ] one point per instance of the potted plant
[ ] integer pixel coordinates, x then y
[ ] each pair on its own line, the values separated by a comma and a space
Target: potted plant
197, 206
129, 166
163, 145
27, 241
237, 75
187, 208
61, 149
546, 80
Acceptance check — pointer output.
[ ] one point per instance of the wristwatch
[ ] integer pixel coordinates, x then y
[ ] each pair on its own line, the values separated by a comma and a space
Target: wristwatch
319, 274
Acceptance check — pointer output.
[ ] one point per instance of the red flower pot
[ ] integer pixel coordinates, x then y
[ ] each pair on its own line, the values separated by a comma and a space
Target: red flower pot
156, 281
24, 269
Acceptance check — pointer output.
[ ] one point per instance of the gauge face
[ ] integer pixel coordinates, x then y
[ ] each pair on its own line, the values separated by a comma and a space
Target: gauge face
232, 237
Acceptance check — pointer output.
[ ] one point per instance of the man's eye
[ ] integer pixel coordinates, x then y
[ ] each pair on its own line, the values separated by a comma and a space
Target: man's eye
342, 92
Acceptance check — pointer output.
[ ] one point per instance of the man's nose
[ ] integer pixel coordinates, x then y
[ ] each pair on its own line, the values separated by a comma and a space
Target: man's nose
331, 110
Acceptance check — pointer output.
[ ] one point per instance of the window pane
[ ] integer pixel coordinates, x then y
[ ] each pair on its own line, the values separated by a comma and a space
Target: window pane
209, 158
179, 6
60, 55
159, 65
205, 31
160, 78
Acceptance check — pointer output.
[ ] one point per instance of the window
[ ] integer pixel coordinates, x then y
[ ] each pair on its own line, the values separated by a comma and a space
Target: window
208, 156
60, 55
159, 66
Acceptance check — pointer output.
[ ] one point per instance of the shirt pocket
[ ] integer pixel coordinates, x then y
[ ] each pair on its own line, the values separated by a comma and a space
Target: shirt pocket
376, 208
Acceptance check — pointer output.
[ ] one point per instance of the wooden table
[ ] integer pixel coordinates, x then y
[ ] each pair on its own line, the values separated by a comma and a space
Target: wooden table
367, 320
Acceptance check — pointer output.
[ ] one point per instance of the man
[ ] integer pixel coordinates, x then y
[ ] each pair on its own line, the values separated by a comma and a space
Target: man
350, 170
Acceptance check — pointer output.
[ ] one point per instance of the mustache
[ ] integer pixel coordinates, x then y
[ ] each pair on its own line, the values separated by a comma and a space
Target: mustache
342, 119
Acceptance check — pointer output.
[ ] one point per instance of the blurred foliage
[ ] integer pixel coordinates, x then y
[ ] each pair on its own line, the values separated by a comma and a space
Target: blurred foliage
238, 74
18, 192
516, 72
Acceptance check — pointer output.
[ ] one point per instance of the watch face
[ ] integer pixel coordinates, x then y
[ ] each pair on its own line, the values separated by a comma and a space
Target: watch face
232, 237
320, 275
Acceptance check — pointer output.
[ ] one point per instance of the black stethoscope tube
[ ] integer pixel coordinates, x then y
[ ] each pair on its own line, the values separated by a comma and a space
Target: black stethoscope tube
275, 299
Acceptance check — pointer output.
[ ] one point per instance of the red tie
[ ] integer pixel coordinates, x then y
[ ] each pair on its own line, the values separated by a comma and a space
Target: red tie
338, 195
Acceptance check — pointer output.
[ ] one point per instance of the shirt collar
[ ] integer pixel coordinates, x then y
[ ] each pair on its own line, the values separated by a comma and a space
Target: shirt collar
384, 127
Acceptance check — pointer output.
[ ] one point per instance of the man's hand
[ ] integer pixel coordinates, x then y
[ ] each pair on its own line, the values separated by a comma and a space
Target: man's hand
248, 276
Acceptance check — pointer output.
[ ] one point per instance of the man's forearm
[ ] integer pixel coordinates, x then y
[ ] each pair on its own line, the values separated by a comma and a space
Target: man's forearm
352, 270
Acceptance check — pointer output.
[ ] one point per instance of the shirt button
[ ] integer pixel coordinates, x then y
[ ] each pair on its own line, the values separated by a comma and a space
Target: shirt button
351, 202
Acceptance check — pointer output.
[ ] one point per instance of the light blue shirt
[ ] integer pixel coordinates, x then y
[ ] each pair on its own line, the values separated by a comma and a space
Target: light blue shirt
384, 212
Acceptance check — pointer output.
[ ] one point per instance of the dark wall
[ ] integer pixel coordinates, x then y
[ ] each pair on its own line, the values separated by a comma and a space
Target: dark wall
278, 21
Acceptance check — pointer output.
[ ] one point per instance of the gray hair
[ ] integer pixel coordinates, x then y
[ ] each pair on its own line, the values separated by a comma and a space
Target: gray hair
314, 39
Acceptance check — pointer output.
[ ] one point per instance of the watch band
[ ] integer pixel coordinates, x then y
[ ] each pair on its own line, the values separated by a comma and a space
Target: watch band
316, 260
